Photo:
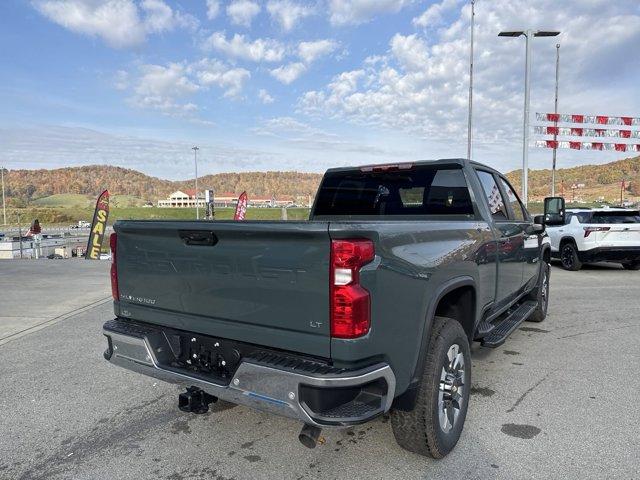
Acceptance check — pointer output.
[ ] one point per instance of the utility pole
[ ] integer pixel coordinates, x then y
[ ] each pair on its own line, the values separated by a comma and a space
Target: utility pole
555, 124
529, 35
4, 206
195, 160
469, 125
19, 234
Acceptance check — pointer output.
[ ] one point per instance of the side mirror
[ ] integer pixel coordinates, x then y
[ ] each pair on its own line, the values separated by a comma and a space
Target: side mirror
539, 219
554, 211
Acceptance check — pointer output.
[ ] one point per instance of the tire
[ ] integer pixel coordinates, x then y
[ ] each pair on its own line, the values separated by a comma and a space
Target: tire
541, 294
631, 265
421, 430
569, 257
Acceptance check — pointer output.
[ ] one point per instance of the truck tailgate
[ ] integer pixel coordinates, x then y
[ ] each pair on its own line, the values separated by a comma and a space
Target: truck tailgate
258, 282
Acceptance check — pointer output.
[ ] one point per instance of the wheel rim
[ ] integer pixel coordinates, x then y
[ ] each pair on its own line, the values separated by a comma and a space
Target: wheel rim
451, 388
567, 256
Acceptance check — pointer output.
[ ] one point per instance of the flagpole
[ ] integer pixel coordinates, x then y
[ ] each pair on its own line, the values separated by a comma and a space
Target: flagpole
469, 123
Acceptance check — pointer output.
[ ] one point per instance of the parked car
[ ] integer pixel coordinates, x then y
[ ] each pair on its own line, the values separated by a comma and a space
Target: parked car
55, 256
367, 308
600, 235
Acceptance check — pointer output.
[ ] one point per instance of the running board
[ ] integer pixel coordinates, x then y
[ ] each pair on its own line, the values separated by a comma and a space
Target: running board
507, 326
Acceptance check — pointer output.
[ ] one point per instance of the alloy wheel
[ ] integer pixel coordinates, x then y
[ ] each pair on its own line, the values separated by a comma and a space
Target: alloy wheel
451, 388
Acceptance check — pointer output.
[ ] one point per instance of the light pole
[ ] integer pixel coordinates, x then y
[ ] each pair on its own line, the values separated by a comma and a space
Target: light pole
529, 35
555, 136
195, 161
4, 206
469, 124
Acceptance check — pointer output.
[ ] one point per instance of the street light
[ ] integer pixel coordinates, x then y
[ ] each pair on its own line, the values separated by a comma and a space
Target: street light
469, 124
555, 135
195, 161
528, 34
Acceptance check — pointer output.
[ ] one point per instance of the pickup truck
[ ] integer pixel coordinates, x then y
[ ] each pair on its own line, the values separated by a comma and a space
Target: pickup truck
367, 308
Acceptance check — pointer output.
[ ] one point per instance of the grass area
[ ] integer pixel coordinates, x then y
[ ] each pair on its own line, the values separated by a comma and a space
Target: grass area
65, 216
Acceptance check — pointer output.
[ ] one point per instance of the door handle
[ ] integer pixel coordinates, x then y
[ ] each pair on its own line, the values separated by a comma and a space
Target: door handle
198, 237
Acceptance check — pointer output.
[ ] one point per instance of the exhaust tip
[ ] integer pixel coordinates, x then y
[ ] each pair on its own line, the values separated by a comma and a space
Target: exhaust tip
309, 436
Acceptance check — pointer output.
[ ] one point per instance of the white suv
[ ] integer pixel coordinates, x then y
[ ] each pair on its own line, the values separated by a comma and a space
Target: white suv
599, 235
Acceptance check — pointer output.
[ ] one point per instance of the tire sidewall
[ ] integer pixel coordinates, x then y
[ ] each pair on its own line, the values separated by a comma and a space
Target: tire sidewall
574, 254
446, 441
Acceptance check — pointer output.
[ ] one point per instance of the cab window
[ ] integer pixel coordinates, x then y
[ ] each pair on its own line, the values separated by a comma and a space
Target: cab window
493, 195
516, 206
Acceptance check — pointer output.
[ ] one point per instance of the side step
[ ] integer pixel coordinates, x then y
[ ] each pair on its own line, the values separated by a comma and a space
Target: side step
506, 327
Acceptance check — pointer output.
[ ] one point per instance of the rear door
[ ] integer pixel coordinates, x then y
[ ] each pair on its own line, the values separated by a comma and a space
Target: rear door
510, 240
614, 228
258, 282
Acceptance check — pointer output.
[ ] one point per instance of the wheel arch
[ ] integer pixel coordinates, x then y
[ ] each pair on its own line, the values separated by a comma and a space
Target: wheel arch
458, 297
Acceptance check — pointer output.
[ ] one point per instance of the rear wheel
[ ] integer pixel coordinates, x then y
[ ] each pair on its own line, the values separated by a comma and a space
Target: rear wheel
569, 257
631, 265
434, 426
541, 294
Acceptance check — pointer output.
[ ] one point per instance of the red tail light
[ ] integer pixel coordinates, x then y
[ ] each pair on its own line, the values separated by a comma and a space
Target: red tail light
588, 230
113, 243
350, 303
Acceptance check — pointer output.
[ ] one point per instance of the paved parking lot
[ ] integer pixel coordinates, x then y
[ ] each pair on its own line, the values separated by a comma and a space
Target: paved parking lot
556, 401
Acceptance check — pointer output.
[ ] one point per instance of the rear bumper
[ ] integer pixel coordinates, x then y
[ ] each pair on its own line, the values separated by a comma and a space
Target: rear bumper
282, 390
610, 254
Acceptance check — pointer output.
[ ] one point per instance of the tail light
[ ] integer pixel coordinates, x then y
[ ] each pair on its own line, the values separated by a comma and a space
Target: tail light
588, 230
350, 303
113, 243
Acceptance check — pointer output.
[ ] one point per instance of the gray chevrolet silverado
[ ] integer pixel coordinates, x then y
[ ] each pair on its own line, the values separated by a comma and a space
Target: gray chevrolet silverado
369, 307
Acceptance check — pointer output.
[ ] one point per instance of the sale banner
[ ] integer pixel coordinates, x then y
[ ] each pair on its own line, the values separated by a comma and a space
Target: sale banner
241, 207
98, 227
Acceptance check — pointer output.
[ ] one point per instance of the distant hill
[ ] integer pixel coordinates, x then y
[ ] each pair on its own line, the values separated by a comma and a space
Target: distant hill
594, 181
75, 186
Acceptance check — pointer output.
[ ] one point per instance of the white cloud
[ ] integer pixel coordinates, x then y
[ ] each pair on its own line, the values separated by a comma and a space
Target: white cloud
420, 86
120, 23
170, 88
264, 97
213, 72
289, 73
213, 8
433, 16
121, 80
311, 51
353, 12
242, 12
288, 13
238, 46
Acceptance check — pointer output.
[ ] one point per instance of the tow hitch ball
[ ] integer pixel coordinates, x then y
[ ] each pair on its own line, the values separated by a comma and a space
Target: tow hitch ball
195, 400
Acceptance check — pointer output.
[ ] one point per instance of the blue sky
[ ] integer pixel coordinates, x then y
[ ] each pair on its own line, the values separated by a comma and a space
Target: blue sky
292, 84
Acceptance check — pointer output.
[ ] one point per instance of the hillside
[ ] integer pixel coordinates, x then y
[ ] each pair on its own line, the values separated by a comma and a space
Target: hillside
78, 186
596, 181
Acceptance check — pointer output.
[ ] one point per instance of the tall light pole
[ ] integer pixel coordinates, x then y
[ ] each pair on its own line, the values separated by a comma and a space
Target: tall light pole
4, 206
195, 161
469, 124
555, 136
529, 35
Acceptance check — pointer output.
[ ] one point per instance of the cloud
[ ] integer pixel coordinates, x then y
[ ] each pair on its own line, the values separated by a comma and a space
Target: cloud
264, 97
309, 52
420, 85
213, 8
353, 12
289, 73
120, 23
213, 72
433, 16
288, 13
170, 88
242, 12
260, 50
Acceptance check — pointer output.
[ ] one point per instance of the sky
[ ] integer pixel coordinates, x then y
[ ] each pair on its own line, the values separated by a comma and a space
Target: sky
299, 85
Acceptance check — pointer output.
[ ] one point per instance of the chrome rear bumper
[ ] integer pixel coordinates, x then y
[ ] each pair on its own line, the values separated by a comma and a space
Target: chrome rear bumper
262, 387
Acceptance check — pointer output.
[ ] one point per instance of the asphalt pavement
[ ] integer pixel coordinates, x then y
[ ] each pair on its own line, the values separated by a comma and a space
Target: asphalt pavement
556, 401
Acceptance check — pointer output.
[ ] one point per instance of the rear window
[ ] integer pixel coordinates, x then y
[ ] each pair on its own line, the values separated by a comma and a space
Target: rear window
616, 217
420, 190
